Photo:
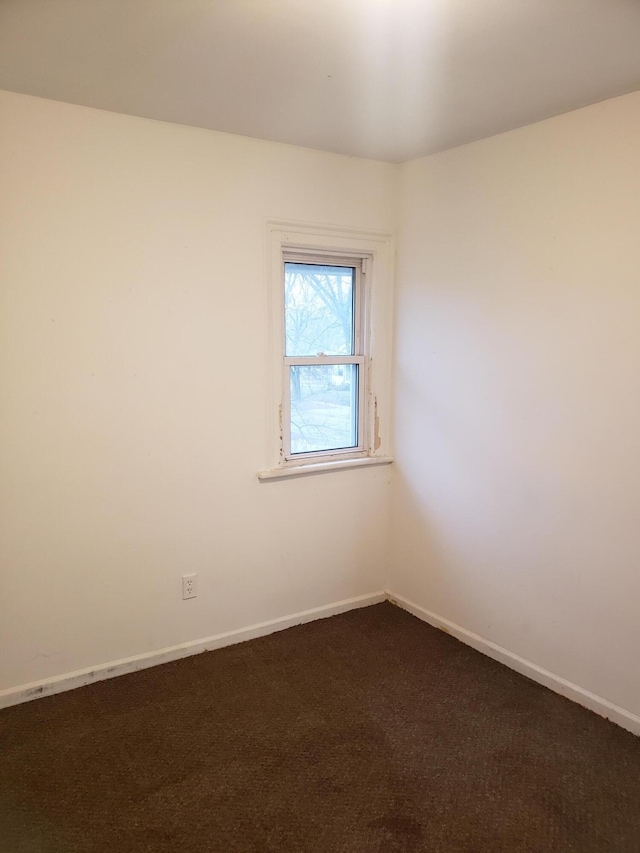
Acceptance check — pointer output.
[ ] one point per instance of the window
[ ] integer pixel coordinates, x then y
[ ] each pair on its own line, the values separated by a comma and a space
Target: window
330, 302
324, 364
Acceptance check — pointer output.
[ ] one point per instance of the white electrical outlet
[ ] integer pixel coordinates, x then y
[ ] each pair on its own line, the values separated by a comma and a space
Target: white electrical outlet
189, 586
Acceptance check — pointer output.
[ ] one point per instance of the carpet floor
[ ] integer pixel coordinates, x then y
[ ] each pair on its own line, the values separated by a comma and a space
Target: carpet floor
363, 733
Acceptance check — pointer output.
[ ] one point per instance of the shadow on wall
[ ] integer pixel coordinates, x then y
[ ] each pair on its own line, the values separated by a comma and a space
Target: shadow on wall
472, 521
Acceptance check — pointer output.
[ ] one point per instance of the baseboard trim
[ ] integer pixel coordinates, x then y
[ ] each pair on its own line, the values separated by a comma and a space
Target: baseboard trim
589, 700
80, 678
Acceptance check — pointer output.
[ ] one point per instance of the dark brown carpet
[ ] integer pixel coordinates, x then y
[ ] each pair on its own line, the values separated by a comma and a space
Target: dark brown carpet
361, 733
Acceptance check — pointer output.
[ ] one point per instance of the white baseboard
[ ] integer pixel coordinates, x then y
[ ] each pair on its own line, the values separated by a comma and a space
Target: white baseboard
71, 680
589, 700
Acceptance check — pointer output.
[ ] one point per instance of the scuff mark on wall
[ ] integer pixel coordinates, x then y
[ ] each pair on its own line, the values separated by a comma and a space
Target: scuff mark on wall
377, 441
45, 655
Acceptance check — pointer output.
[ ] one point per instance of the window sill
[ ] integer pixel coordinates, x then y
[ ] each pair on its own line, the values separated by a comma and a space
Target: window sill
321, 467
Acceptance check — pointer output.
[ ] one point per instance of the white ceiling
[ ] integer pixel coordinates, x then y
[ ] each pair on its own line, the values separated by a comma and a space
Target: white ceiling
387, 79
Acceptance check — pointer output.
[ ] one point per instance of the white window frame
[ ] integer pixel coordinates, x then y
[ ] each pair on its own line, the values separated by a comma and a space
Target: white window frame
373, 255
359, 359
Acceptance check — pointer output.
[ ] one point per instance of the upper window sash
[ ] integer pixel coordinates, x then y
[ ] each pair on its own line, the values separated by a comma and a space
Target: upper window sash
330, 261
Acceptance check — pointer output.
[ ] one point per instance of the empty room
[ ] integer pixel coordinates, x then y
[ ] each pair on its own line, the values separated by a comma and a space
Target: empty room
319, 426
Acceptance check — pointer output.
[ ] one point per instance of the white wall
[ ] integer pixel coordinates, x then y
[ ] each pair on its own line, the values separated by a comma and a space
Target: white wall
516, 487
133, 380
133, 388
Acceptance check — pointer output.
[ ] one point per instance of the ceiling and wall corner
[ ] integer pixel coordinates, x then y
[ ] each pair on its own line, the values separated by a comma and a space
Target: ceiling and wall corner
382, 79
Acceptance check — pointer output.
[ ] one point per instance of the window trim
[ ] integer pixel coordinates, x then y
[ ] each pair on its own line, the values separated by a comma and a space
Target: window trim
340, 245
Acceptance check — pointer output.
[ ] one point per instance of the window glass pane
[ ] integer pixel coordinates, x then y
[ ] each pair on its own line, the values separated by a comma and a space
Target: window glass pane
324, 407
318, 309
